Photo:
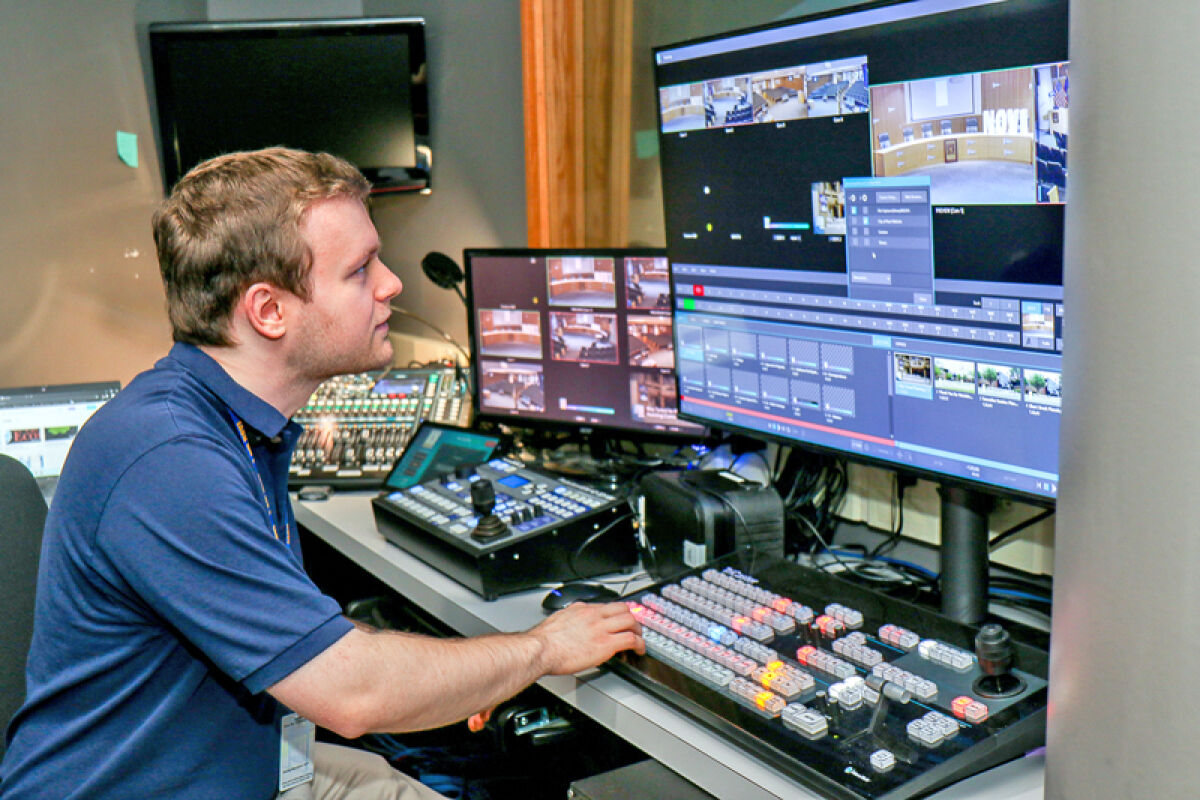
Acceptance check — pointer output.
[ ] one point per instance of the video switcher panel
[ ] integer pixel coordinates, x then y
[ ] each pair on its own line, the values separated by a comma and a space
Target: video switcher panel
852, 693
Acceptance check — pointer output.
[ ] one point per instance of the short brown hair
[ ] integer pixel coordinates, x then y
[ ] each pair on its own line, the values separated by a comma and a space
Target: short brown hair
234, 221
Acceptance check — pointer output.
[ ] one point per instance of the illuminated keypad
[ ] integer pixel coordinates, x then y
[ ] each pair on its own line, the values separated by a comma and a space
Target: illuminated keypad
805, 721
756, 698
946, 655
854, 647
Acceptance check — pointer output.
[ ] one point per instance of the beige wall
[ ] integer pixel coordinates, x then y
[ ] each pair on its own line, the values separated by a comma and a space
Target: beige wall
80, 297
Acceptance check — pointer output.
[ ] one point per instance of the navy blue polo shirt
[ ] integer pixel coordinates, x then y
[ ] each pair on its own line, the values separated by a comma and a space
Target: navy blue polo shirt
165, 604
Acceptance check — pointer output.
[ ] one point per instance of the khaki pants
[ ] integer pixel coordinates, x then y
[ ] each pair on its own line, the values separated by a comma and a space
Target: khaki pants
345, 773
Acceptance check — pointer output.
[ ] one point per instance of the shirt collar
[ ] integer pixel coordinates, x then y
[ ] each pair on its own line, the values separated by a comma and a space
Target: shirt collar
253, 410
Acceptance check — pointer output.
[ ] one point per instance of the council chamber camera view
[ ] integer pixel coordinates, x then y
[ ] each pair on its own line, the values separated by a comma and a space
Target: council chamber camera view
864, 219
574, 336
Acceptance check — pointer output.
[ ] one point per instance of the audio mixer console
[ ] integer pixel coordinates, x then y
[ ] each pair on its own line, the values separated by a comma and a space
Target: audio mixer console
501, 527
355, 426
852, 693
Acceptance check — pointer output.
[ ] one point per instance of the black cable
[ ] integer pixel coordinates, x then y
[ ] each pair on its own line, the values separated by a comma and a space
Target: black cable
1004, 536
889, 544
824, 545
817, 487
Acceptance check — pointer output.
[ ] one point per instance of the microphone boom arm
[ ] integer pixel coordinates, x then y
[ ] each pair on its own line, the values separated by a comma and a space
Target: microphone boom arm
404, 312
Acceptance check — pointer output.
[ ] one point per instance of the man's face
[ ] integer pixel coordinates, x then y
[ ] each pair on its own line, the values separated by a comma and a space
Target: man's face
343, 328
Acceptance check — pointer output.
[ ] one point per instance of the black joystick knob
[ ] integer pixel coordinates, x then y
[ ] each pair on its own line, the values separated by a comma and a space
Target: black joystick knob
994, 649
464, 471
483, 500
483, 496
993, 646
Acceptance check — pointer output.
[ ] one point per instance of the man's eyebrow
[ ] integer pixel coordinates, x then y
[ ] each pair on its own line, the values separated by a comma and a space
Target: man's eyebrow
364, 256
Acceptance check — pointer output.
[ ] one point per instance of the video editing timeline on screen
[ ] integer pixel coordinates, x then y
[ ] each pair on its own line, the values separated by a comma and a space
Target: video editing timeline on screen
847, 691
355, 426
864, 217
500, 527
574, 336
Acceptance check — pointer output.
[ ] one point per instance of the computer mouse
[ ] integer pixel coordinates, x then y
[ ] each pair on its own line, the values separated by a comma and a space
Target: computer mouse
577, 592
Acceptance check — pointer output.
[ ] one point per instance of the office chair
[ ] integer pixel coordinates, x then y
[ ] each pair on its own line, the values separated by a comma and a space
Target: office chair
22, 515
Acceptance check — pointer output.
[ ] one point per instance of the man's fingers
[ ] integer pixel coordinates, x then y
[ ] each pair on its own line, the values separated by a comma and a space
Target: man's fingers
476, 722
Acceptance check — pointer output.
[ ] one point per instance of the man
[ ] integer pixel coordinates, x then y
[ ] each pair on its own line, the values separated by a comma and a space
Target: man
175, 631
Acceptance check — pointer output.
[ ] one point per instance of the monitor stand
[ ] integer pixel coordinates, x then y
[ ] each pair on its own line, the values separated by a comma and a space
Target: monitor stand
593, 463
964, 578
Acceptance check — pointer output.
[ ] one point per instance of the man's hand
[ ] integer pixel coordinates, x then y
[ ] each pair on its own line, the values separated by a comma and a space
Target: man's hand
350, 687
583, 635
477, 722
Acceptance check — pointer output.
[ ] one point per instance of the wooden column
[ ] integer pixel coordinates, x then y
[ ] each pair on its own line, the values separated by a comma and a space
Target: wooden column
577, 64
608, 56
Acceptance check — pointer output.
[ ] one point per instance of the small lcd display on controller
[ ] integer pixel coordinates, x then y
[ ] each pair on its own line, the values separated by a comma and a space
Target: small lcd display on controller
512, 481
435, 450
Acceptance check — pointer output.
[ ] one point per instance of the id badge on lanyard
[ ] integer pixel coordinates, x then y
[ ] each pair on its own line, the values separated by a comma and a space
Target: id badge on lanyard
296, 734
296, 738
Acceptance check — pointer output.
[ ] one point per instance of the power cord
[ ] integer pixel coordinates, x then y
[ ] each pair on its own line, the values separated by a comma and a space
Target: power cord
901, 482
816, 490
1006, 536
824, 544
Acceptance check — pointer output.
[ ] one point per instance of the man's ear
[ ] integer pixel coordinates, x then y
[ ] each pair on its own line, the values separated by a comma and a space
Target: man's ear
263, 307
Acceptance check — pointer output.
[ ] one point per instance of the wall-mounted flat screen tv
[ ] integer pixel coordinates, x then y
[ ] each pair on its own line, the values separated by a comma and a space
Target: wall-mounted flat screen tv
353, 87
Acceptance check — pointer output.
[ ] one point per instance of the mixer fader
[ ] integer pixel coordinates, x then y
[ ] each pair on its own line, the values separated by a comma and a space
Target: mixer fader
848, 691
355, 426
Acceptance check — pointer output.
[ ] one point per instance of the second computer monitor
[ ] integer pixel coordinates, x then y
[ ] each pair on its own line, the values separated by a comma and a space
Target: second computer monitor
581, 337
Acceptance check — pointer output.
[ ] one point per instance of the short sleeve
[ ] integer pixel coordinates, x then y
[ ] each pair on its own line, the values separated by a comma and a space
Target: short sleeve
186, 536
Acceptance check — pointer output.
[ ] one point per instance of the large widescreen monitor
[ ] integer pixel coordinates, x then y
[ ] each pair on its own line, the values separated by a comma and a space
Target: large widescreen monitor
575, 337
864, 216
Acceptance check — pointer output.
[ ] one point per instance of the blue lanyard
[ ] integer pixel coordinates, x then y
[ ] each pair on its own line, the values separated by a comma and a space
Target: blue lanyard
241, 429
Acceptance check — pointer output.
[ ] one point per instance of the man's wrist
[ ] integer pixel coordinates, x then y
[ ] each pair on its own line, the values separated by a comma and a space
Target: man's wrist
540, 652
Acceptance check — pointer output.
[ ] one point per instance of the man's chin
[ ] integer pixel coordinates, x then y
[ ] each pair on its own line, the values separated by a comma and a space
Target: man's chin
389, 352
382, 358
378, 361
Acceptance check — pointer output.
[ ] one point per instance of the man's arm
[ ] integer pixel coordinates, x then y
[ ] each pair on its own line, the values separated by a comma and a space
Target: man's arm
376, 681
